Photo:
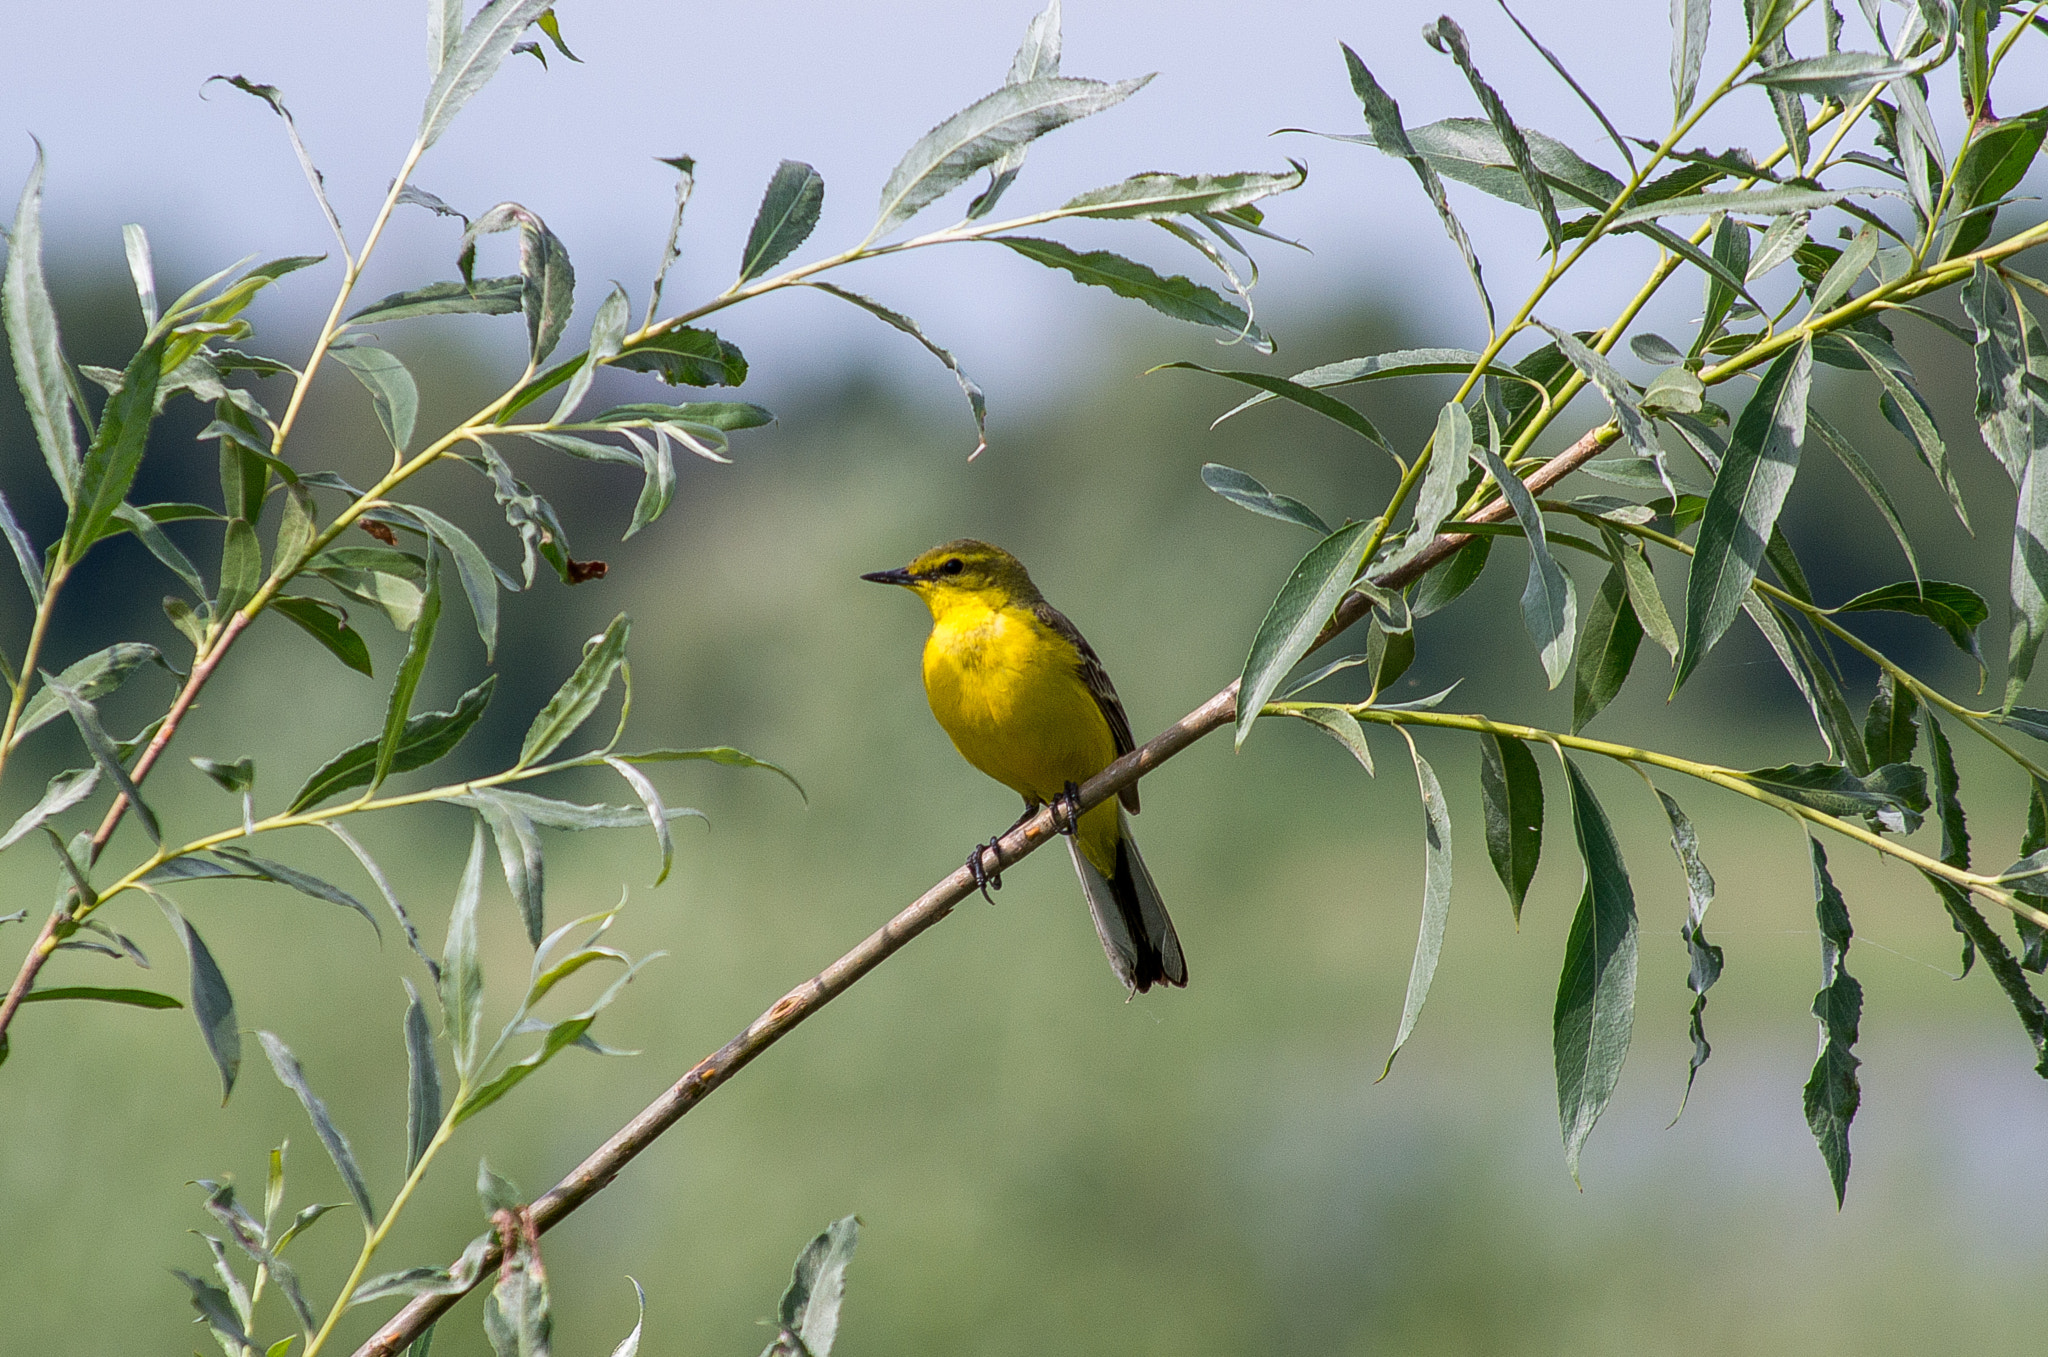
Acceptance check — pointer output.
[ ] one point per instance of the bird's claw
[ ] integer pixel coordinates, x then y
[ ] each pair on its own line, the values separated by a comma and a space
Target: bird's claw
985, 880
1066, 810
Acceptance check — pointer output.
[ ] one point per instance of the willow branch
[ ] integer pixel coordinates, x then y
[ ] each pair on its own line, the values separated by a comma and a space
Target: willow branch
604, 1164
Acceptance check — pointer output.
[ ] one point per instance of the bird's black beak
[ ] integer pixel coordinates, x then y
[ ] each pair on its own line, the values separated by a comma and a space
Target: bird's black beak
896, 576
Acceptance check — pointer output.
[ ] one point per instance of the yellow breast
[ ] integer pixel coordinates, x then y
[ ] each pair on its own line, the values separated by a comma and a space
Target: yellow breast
1008, 692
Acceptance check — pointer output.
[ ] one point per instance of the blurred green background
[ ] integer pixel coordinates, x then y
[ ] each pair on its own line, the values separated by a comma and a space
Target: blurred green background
1042, 1166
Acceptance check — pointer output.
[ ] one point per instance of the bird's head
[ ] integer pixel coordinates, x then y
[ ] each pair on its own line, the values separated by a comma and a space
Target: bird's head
963, 572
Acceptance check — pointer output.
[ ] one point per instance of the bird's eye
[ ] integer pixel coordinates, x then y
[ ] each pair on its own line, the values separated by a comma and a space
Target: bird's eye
952, 567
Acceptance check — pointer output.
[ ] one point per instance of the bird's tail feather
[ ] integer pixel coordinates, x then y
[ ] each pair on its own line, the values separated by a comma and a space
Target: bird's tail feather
1134, 927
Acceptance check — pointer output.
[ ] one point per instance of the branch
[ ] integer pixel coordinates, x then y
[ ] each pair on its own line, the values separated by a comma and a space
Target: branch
595, 1173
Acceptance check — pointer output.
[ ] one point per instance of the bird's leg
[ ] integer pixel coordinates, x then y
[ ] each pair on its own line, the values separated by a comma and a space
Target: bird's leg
1066, 810
984, 879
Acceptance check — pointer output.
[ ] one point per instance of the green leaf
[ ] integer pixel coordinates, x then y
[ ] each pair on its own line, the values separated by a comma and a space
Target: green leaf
1688, 50
1304, 603
787, 216
1900, 789
1383, 116
398, 708
1247, 493
1906, 410
810, 1307
40, 366
108, 759
1957, 609
1643, 595
423, 1081
658, 486
548, 282
1731, 250
409, 1282
1329, 407
1607, 649
520, 855
1596, 991
2029, 573
1843, 273
138, 998
1446, 36
462, 976
241, 568
217, 1308
485, 296
161, 546
719, 416
383, 884
1177, 296
724, 755
1152, 196
1742, 511
2008, 411
472, 60
1832, 1092
303, 882
657, 813
1765, 202
1845, 452
1891, 730
683, 356
425, 738
607, 334
1436, 900
975, 399
65, 791
578, 696
24, 551
983, 133
1451, 577
2034, 938
1845, 76
392, 390
212, 1004
329, 626
1990, 167
1511, 790
559, 1036
292, 1076
1343, 727
116, 450
1628, 414
473, 568
1550, 603
1704, 958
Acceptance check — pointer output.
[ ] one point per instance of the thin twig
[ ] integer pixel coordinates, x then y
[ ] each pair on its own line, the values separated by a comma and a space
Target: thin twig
604, 1164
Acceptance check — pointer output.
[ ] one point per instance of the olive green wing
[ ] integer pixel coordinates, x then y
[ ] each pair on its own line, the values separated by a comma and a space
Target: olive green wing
1097, 679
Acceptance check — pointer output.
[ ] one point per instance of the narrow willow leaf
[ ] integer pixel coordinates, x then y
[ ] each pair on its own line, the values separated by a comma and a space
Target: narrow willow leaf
32, 335
1246, 492
2034, 938
473, 59
426, 738
1383, 116
1607, 650
1704, 958
1152, 196
1304, 603
1956, 608
1038, 57
629, 1346
2029, 574
1832, 1091
1449, 578
462, 976
270, 94
1640, 435
1446, 36
303, 882
2006, 407
1846, 76
520, 855
24, 551
1550, 603
383, 884
1327, 406
1845, 452
409, 1282
108, 759
423, 1081
1907, 411
548, 281
683, 356
607, 336
1990, 167
162, 547
1377, 367
1897, 788
1436, 899
810, 1307
1742, 511
658, 486
559, 1037
329, 626
293, 1076
1847, 268
1343, 727
1688, 50
241, 568
1766, 202
65, 791
1643, 595
1177, 296
1596, 991
485, 296
392, 390
1891, 729
724, 755
1511, 789
473, 568
976, 401
133, 998
983, 132
212, 1004
579, 694
787, 216
1978, 935
1450, 460
398, 709
217, 1309
104, 477
657, 813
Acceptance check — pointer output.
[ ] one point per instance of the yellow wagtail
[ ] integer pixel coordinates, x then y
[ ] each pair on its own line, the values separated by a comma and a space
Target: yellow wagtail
1026, 701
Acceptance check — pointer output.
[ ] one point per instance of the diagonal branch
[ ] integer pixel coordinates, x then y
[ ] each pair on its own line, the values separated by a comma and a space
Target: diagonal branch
595, 1173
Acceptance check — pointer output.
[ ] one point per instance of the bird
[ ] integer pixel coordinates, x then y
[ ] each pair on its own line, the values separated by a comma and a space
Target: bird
1025, 699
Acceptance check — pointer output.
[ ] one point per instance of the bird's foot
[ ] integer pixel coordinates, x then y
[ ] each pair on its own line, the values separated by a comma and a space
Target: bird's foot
985, 880
1066, 810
